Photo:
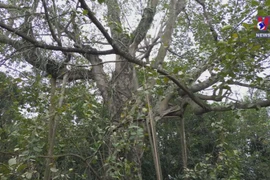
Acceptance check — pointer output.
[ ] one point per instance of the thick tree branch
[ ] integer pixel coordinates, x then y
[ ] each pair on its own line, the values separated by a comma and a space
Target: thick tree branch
51, 47
204, 84
175, 9
97, 71
114, 18
212, 98
233, 106
162, 104
145, 23
41, 62
132, 59
246, 105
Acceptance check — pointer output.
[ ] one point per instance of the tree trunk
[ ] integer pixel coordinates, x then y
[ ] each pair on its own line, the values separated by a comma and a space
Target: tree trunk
125, 85
53, 122
183, 144
51, 130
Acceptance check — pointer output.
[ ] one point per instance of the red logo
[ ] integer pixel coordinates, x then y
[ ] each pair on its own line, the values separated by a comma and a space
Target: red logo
263, 22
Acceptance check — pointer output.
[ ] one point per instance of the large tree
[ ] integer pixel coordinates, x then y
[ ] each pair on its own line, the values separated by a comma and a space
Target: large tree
161, 50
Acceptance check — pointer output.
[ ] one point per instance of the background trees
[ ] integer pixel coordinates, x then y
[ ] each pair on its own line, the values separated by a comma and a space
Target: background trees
116, 87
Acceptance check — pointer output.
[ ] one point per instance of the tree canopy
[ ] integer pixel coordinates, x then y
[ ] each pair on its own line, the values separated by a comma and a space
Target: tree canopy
105, 89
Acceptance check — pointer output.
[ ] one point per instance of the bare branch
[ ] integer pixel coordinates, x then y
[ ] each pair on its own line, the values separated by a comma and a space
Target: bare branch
149, 49
176, 54
51, 67
51, 47
249, 85
96, 22
8, 6
50, 24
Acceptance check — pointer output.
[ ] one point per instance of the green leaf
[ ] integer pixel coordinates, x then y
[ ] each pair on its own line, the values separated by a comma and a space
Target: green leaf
216, 69
37, 149
101, 1
21, 167
262, 12
255, 3
256, 47
85, 12
28, 175
166, 6
267, 3
166, 80
246, 25
227, 27
118, 29
12, 161
235, 35
53, 169
144, 109
4, 169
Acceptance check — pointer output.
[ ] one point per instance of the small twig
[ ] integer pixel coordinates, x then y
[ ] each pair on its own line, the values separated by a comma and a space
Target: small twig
176, 54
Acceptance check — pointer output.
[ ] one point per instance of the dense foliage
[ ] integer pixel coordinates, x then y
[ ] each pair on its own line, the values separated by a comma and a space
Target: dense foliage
124, 89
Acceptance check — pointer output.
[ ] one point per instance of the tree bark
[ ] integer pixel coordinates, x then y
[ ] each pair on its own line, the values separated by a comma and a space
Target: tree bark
53, 122
51, 130
183, 144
